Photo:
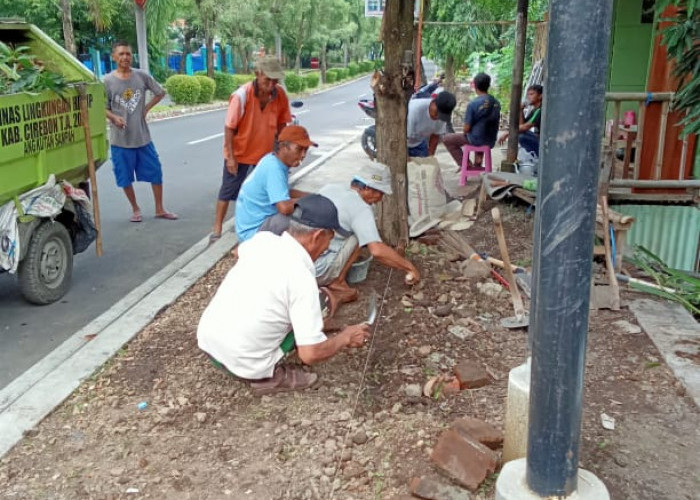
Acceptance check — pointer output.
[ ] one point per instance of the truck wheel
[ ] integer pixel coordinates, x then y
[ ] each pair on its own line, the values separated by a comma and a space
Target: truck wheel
45, 272
369, 142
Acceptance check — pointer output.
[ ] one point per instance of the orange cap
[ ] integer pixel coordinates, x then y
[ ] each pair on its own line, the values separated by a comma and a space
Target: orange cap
296, 134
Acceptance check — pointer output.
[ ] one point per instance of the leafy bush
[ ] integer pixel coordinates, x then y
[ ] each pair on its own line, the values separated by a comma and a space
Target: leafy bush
293, 82
224, 83
183, 89
312, 79
366, 66
353, 69
342, 73
20, 71
207, 86
239, 80
331, 76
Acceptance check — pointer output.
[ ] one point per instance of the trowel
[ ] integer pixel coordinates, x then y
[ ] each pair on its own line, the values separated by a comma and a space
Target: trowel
372, 308
520, 320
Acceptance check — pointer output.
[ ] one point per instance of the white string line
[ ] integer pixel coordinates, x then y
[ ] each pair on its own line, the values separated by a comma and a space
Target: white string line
362, 383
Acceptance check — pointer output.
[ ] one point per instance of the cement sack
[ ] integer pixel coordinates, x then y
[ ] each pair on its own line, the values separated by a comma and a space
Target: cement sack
426, 191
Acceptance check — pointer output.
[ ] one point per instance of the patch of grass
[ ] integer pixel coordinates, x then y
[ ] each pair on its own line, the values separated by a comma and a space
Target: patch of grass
651, 364
488, 483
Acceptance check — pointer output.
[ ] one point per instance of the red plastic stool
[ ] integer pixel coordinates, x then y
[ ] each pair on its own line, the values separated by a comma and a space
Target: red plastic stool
466, 171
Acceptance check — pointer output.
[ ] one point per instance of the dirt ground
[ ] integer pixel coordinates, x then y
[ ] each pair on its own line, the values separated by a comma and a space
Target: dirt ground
362, 433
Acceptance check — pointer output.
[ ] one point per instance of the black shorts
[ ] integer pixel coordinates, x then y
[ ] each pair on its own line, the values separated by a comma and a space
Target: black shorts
231, 184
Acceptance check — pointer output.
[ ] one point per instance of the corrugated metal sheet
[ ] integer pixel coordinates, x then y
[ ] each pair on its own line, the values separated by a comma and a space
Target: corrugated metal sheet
671, 232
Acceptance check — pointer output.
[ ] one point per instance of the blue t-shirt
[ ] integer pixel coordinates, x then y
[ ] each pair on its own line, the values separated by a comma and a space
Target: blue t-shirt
260, 192
483, 114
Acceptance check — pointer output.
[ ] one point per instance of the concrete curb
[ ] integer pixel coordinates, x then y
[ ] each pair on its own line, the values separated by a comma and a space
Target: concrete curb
34, 394
304, 171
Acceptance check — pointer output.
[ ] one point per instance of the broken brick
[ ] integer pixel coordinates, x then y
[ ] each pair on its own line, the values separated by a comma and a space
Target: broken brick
482, 431
430, 489
463, 459
471, 375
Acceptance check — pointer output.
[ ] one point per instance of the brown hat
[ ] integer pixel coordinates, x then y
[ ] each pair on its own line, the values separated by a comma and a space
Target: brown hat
296, 134
270, 67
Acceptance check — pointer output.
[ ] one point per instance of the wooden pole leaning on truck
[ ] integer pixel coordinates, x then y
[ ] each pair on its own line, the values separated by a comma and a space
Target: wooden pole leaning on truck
91, 167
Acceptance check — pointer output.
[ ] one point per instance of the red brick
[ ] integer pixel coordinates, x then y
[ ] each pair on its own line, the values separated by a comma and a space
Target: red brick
463, 459
471, 375
430, 489
482, 431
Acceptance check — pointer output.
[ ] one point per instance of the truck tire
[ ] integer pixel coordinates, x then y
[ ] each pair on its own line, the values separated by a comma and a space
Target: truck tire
369, 142
45, 272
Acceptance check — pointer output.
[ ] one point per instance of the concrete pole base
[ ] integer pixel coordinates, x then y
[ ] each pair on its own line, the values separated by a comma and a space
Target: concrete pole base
511, 485
517, 411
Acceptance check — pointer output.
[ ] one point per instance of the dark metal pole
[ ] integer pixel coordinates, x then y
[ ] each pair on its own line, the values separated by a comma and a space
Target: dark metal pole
516, 92
570, 147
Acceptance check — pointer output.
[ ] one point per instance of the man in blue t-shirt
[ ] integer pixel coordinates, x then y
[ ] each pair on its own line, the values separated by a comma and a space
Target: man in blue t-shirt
481, 122
266, 191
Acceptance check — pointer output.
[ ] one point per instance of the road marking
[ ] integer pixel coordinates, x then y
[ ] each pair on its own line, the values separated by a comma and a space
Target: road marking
337, 103
361, 96
302, 112
204, 139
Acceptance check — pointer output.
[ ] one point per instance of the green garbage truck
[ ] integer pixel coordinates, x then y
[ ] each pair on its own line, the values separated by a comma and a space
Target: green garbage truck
43, 157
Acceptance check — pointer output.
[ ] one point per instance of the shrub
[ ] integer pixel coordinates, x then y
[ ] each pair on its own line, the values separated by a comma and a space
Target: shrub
207, 86
342, 73
239, 80
366, 66
183, 89
331, 76
293, 82
223, 82
312, 79
353, 69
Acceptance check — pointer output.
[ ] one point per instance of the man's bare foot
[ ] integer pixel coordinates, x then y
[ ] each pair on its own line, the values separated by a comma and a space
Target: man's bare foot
344, 294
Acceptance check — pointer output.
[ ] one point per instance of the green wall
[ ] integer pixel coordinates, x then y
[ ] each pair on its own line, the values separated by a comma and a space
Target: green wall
630, 48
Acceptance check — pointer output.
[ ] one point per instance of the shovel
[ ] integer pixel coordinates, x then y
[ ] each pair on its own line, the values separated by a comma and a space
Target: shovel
520, 320
372, 308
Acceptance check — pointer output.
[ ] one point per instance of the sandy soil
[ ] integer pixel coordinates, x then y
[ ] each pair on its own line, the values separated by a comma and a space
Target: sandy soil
362, 433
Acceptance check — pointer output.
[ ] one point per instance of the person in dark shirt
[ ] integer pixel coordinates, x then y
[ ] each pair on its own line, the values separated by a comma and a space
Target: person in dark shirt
529, 128
480, 122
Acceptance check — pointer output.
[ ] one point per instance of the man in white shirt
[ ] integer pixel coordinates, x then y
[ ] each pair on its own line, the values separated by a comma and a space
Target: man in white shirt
268, 305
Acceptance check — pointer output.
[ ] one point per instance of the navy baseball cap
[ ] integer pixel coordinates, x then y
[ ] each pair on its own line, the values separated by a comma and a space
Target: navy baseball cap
319, 212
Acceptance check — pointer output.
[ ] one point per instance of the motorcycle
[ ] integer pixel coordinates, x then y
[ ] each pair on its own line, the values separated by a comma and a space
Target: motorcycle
295, 118
369, 107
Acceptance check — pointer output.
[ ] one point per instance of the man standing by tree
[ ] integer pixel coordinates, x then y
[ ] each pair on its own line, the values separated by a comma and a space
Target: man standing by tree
133, 153
257, 112
480, 122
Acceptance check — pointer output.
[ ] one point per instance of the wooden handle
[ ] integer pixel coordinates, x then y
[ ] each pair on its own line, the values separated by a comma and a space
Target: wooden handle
84, 117
514, 292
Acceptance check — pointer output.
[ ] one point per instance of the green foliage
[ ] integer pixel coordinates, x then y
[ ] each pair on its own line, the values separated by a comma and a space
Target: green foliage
312, 79
366, 66
293, 82
239, 80
21, 71
224, 84
686, 288
342, 73
183, 89
331, 76
682, 40
207, 86
353, 69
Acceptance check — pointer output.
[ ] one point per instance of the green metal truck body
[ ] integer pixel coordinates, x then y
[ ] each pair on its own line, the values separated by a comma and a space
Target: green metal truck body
43, 134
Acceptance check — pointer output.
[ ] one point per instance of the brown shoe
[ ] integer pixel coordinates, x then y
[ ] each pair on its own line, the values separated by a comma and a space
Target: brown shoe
284, 379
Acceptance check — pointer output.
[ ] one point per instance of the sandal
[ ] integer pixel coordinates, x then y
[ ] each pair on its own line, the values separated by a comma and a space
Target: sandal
136, 217
167, 215
284, 379
214, 237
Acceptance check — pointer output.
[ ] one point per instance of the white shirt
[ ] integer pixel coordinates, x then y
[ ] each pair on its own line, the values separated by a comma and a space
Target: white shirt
270, 291
420, 126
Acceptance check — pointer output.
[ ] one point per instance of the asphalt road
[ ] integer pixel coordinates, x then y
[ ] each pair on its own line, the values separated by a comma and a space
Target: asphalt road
190, 149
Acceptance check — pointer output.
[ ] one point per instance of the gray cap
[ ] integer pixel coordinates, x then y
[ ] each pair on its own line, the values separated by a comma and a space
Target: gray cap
375, 175
270, 67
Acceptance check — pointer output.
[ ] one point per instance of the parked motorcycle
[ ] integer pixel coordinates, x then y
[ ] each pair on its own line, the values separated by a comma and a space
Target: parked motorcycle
369, 107
295, 104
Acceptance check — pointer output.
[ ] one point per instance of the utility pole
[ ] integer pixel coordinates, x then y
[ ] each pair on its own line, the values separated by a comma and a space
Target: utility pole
570, 150
516, 92
141, 39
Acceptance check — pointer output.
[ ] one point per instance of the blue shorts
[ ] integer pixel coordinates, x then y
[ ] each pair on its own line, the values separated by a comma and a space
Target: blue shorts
141, 164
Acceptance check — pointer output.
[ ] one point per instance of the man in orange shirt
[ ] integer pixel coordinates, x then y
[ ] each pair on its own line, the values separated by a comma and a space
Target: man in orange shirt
257, 112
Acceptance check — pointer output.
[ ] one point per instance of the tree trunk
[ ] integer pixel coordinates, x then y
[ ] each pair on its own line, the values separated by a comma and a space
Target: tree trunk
323, 66
185, 52
392, 91
449, 82
68, 38
210, 56
224, 64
